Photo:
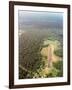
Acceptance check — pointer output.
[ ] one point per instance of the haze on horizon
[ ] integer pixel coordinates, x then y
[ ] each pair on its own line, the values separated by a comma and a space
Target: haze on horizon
40, 19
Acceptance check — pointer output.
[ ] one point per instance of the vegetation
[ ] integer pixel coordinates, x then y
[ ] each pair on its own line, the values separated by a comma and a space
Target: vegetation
59, 66
53, 73
30, 58
59, 52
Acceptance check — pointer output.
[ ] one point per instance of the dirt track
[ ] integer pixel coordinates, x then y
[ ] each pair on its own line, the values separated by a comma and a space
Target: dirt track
49, 52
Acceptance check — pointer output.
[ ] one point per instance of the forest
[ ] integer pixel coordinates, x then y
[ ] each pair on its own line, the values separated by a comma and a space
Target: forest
34, 47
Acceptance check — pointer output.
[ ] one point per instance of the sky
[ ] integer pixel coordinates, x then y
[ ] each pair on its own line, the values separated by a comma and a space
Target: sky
43, 19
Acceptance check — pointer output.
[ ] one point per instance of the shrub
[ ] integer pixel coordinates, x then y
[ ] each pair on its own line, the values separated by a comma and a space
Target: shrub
59, 66
59, 52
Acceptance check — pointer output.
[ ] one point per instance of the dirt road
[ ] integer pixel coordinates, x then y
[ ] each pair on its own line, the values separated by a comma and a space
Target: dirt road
49, 53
